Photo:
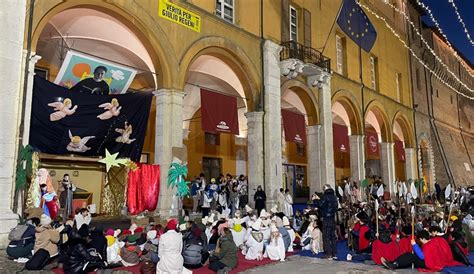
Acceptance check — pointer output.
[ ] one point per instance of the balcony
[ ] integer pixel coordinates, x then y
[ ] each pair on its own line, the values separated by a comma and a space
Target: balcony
307, 55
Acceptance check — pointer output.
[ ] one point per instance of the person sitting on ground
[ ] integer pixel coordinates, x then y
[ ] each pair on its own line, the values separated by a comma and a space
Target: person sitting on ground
131, 253
253, 249
434, 255
99, 243
405, 240
238, 232
82, 217
361, 231
150, 253
385, 247
316, 238
22, 239
194, 254
46, 237
80, 259
459, 248
224, 258
275, 249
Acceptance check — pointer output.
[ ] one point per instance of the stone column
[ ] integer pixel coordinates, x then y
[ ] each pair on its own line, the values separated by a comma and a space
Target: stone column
29, 96
168, 135
314, 158
322, 80
357, 150
410, 164
11, 81
387, 162
272, 121
254, 152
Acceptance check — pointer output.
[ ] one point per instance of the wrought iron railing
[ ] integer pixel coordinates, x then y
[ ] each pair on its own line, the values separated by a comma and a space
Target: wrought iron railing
292, 49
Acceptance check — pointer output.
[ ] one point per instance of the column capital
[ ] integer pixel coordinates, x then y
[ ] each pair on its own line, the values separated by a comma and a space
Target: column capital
166, 92
320, 78
254, 114
272, 47
314, 129
357, 137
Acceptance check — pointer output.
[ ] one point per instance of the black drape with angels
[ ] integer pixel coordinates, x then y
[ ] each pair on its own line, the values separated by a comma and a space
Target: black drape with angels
65, 122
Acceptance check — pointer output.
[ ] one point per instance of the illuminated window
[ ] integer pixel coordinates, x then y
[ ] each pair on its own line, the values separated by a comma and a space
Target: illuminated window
293, 24
373, 72
340, 49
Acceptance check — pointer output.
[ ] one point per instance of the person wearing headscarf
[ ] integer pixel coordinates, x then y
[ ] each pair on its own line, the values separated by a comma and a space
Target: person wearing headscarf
260, 198
254, 244
275, 249
169, 250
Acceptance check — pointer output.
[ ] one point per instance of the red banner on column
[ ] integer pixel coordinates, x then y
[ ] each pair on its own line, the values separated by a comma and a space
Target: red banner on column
372, 142
340, 138
400, 150
219, 113
294, 126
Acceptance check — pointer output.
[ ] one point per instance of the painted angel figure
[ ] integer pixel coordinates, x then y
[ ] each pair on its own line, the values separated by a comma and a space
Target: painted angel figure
125, 134
112, 109
78, 144
63, 109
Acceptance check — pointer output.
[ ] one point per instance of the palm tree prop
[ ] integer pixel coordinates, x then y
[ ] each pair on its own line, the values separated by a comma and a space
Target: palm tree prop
176, 179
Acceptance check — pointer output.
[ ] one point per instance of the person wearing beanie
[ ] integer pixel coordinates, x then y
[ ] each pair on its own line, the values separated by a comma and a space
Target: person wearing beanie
46, 237
275, 249
253, 249
291, 232
131, 253
170, 248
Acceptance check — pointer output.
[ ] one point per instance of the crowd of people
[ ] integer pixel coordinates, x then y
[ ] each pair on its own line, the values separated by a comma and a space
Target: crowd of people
222, 224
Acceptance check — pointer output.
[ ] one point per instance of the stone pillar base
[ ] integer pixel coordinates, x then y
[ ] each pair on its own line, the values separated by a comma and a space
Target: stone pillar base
8, 220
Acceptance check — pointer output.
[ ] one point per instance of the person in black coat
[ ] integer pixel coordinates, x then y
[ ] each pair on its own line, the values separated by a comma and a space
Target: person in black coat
260, 198
99, 242
327, 204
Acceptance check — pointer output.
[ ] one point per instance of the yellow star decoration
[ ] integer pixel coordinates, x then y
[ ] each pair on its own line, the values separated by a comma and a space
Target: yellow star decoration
111, 160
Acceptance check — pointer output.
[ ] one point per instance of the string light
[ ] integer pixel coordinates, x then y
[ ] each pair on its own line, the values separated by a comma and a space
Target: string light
438, 27
412, 52
461, 21
427, 45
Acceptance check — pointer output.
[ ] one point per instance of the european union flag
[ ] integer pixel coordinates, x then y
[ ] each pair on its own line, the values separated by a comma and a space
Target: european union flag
355, 23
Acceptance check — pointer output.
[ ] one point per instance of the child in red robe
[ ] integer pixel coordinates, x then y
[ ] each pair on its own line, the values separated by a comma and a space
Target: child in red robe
405, 240
385, 247
359, 232
434, 255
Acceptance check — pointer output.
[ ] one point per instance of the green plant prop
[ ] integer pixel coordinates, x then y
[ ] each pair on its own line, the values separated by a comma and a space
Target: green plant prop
176, 179
23, 166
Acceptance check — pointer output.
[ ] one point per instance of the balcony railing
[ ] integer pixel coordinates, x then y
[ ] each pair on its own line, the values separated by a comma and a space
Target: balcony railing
292, 49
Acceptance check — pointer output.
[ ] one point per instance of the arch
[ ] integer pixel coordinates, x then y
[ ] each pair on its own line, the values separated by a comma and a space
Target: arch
155, 48
232, 55
425, 143
351, 105
385, 126
407, 130
306, 96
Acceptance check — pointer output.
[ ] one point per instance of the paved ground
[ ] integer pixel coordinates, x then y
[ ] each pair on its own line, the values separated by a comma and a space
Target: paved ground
293, 264
300, 264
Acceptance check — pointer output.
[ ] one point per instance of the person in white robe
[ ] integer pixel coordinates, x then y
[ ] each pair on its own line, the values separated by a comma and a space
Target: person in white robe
238, 232
316, 239
254, 244
169, 250
288, 210
275, 250
281, 200
286, 225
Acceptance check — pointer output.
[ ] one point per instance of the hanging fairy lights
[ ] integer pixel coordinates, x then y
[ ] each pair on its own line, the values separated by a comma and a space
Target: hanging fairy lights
412, 52
440, 30
407, 18
461, 21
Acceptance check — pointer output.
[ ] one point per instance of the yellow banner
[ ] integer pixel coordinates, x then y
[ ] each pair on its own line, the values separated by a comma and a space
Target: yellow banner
179, 15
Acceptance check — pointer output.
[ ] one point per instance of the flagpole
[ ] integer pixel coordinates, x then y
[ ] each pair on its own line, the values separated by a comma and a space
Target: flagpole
332, 26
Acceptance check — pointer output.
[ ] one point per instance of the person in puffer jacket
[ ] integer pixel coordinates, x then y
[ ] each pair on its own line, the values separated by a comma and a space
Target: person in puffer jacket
80, 259
24, 246
193, 252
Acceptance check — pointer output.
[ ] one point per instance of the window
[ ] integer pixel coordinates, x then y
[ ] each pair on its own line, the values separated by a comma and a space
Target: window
398, 83
300, 150
373, 72
418, 80
451, 99
437, 93
225, 10
211, 138
293, 24
340, 51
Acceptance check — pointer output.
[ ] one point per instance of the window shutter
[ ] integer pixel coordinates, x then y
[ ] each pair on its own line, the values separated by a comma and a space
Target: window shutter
307, 27
285, 20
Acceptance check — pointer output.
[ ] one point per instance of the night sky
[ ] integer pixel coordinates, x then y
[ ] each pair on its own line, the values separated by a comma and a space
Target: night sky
444, 13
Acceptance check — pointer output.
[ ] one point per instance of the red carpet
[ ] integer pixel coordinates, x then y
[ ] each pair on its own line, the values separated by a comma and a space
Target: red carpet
242, 265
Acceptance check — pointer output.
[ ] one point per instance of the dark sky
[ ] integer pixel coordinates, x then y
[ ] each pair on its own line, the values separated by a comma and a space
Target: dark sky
444, 13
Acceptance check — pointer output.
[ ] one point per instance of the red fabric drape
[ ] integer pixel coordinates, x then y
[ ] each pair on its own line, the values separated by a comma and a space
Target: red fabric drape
400, 150
294, 126
219, 113
372, 142
340, 138
143, 188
